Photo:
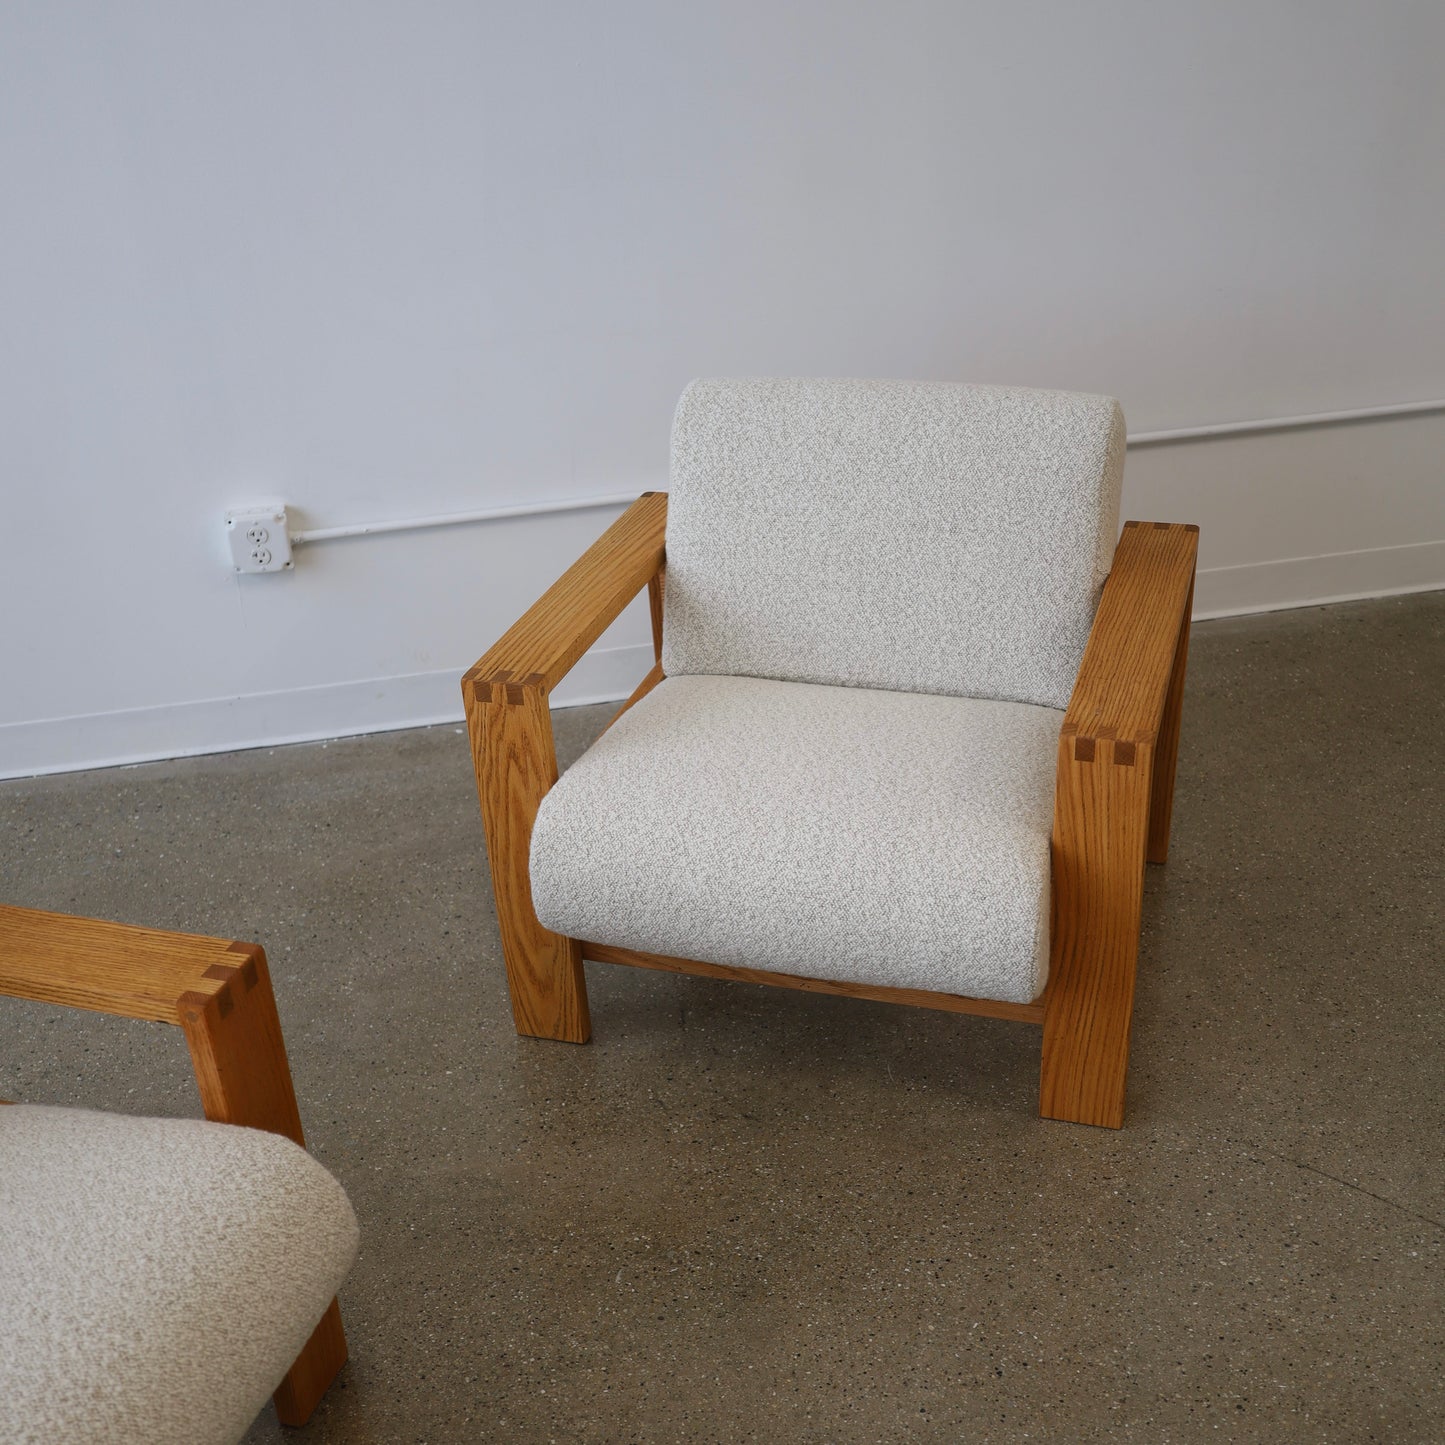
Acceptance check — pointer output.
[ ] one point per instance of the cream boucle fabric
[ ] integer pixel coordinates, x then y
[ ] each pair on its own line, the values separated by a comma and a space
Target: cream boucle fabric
157, 1276
839, 833
924, 537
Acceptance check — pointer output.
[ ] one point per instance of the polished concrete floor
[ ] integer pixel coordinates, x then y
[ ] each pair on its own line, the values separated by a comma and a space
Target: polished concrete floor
745, 1214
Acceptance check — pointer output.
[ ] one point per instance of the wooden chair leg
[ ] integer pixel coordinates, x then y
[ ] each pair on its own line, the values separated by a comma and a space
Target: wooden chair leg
1100, 823
516, 763
317, 1365
1166, 751
240, 1062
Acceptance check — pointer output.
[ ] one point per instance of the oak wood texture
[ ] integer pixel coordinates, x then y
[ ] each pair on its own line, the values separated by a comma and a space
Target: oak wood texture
1100, 818
656, 590
515, 757
1129, 659
510, 725
1032, 1013
111, 968
1118, 719
1166, 750
516, 763
1117, 752
237, 1051
219, 992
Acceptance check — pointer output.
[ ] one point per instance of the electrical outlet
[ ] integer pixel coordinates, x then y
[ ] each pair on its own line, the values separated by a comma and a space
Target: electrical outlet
260, 539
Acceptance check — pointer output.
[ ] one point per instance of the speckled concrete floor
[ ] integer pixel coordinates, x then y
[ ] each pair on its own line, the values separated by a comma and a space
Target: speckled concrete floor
747, 1214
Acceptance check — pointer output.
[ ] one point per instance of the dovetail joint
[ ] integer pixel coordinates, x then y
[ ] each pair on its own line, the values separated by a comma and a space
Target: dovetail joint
1123, 752
505, 686
516, 692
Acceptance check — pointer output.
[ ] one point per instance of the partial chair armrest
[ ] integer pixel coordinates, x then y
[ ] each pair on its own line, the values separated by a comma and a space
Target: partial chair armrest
543, 645
515, 756
1117, 749
218, 991
111, 968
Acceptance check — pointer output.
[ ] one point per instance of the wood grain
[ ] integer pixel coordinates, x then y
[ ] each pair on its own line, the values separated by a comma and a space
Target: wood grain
1129, 660
544, 644
1032, 1013
505, 696
1100, 819
516, 763
656, 590
112, 968
1116, 723
1166, 750
237, 1051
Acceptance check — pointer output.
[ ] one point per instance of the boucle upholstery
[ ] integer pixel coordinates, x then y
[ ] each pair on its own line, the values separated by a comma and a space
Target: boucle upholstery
158, 1277
839, 833
923, 537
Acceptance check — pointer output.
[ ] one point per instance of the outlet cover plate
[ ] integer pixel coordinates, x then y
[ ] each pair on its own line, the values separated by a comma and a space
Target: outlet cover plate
259, 538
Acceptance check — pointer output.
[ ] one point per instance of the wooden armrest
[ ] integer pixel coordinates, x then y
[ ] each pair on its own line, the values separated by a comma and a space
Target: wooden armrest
543, 645
112, 968
1124, 678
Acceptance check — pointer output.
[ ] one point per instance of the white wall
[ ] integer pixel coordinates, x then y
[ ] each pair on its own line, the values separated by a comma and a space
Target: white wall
392, 259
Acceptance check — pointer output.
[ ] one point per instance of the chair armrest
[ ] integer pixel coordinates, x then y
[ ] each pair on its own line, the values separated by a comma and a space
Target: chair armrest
1124, 679
111, 968
544, 644
218, 992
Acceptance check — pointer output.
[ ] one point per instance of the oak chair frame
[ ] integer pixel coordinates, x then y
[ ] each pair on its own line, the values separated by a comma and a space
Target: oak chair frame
218, 991
1118, 746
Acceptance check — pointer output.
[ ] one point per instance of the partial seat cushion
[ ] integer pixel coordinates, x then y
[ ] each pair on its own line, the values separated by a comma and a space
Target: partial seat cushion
850, 834
920, 536
158, 1277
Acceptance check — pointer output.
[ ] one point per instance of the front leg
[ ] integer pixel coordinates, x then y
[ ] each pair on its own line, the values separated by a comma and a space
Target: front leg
1101, 819
516, 763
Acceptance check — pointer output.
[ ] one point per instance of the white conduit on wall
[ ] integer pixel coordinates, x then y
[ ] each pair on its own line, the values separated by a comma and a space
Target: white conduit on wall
619, 499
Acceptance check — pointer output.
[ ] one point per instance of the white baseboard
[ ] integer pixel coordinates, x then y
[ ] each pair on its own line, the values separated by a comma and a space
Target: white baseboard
1313, 581
219, 725
270, 719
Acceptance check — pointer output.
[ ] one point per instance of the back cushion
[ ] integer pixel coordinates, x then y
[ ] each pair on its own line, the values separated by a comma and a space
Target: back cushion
918, 536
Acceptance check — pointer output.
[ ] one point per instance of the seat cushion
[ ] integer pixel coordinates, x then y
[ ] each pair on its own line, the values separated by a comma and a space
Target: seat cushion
918, 536
158, 1277
849, 834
